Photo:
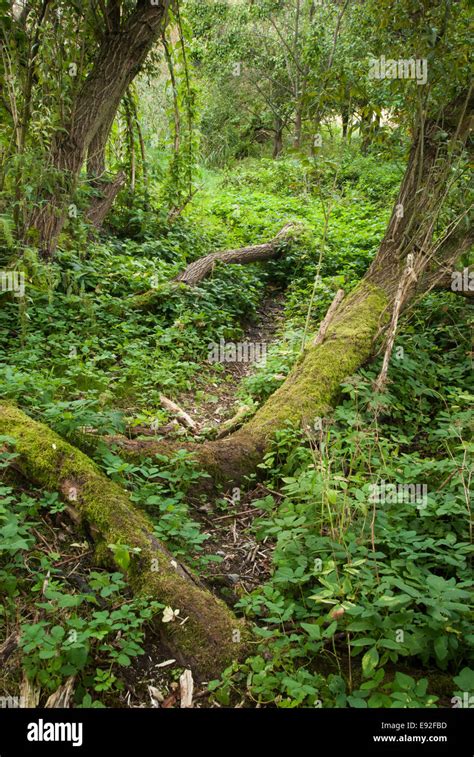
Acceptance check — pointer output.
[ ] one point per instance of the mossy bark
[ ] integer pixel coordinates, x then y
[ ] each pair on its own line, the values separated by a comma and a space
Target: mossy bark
206, 642
310, 390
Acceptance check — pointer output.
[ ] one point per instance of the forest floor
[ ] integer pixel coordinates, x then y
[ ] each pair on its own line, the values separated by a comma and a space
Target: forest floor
221, 402
245, 562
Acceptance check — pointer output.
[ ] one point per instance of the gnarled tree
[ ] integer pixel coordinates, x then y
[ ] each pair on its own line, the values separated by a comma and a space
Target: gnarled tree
125, 44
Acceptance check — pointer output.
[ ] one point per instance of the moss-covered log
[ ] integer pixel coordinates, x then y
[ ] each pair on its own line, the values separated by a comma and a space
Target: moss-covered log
207, 640
310, 390
313, 386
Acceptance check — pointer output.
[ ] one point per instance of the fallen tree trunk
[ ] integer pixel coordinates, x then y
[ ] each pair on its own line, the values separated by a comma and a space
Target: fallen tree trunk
199, 269
206, 641
309, 391
196, 271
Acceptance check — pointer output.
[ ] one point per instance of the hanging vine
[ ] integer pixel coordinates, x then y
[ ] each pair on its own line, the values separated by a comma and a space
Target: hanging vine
180, 183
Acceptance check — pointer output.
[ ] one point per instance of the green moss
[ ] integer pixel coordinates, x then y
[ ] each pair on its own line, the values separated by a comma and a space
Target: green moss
313, 386
154, 298
310, 390
206, 639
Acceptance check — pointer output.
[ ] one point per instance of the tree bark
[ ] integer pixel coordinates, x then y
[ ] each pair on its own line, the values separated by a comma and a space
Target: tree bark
207, 641
119, 58
345, 120
199, 269
298, 126
100, 207
96, 151
278, 138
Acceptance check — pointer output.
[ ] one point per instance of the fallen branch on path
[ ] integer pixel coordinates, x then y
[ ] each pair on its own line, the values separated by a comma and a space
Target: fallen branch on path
199, 269
177, 410
320, 336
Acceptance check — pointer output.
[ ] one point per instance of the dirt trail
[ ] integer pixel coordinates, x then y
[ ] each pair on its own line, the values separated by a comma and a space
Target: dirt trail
211, 413
245, 563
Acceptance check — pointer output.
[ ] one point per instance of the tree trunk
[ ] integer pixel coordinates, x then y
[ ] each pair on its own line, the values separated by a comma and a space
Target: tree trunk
210, 638
130, 145
96, 151
345, 120
365, 132
108, 191
202, 267
309, 391
298, 126
278, 138
119, 58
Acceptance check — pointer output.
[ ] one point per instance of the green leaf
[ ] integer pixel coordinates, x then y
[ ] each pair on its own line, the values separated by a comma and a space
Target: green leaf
441, 648
357, 702
365, 641
330, 630
313, 630
46, 654
404, 682
369, 662
465, 679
